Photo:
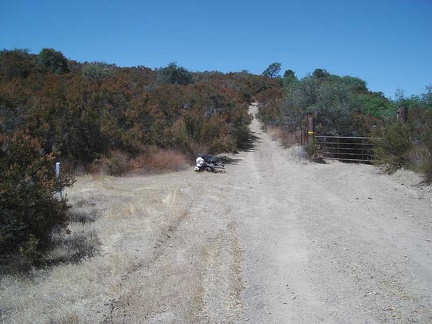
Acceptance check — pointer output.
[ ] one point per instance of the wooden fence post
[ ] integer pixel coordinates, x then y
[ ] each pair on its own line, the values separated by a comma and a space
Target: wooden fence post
311, 128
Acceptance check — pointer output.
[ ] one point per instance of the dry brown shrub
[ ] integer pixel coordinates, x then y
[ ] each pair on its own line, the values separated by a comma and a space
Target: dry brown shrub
116, 163
157, 160
197, 148
150, 160
287, 138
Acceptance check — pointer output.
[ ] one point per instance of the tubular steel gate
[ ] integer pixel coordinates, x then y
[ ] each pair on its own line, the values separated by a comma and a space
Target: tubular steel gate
354, 149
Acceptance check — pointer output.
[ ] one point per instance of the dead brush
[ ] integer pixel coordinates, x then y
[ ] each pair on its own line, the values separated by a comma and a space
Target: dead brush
286, 137
115, 163
149, 160
114, 231
154, 160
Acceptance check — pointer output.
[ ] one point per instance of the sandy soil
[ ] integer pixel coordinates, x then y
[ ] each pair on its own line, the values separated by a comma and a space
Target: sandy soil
275, 239
280, 240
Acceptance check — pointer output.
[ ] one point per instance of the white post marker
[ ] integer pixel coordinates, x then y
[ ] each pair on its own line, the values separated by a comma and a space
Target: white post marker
58, 193
57, 169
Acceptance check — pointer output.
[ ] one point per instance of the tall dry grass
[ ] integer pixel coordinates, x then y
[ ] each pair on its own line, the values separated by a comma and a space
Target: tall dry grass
150, 160
116, 224
157, 160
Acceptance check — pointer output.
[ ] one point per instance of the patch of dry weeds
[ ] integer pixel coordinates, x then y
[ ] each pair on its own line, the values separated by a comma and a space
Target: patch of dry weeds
115, 226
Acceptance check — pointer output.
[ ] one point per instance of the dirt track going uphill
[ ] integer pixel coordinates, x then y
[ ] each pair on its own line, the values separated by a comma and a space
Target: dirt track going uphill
275, 239
279, 240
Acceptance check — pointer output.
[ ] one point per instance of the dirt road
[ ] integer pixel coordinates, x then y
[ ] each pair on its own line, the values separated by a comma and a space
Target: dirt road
275, 239
280, 240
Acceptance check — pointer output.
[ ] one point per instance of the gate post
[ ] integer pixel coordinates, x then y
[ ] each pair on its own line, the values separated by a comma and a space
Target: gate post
311, 145
402, 114
311, 128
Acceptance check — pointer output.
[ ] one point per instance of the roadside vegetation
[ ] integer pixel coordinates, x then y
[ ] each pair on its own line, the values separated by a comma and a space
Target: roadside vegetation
98, 118
344, 106
102, 120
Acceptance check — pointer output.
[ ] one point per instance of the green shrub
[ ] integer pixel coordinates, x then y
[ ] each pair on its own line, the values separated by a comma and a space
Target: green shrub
426, 169
424, 156
407, 145
426, 140
421, 160
393, 147
310, 149
28, 209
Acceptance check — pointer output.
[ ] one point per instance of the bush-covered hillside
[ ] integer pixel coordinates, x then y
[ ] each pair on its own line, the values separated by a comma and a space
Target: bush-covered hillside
95, 116
83, 111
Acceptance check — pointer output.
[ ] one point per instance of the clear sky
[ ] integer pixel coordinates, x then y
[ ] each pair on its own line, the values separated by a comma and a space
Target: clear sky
387, 43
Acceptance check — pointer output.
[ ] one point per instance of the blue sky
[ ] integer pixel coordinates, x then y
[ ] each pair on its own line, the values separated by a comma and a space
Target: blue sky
387, 43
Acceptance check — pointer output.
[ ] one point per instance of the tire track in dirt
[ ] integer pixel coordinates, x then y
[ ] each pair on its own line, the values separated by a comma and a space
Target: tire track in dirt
194, 275
277, 239
332, 243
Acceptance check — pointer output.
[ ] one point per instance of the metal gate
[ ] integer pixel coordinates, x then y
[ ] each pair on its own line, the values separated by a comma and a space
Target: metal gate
354, 149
